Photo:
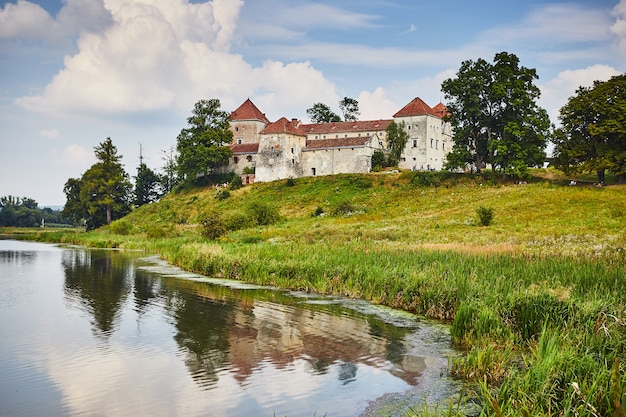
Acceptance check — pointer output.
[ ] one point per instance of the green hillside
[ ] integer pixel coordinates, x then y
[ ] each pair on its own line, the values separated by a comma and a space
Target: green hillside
537, 298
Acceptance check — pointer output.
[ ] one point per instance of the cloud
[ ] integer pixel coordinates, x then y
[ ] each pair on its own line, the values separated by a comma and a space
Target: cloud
49, 133
618, 29
75, 155
165, 55
26, 20
376, 105
556, 92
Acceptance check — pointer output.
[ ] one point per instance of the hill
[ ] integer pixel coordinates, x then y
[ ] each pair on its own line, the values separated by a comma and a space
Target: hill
536, 298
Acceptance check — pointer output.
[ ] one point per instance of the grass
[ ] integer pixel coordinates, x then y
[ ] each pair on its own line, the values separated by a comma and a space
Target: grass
536, 298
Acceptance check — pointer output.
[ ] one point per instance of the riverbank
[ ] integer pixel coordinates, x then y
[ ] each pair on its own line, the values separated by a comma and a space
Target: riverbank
536, 298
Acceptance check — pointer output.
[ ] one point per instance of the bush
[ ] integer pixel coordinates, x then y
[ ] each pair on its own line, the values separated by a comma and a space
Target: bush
236, 183
121, 227
378, 160
237, 220
157, 232
213, 226
345, 208
485, 215
264, 214
318, 211
222, 194
290, 182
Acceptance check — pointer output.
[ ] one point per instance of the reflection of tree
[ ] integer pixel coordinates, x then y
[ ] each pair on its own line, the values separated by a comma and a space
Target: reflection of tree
203, 329
146, 289
100, 282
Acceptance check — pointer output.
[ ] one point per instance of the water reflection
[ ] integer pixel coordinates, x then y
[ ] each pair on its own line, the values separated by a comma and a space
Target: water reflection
98, 282
101, 327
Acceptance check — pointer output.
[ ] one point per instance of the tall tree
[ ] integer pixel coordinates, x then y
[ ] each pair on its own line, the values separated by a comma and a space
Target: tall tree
350, 109
103, 193
147, 186
169, 177
203, 146
593, 133
496, 120
321, 113
397, 137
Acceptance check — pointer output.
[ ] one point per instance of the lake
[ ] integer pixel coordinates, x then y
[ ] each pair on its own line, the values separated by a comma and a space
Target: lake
117, 333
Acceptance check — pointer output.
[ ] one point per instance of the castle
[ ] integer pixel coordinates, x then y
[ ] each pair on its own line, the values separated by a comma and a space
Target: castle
289, 148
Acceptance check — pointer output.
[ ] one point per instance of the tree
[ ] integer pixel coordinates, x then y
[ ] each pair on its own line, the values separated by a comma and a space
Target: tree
170, 178
593, 133
203, 146
321, 113
496, 120
147, 186
103, 193
350, 109
397, 137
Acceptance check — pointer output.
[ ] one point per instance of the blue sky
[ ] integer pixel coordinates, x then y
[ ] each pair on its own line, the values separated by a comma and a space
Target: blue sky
75, 72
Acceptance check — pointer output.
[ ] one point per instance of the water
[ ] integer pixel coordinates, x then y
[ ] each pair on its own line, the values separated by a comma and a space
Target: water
110, 333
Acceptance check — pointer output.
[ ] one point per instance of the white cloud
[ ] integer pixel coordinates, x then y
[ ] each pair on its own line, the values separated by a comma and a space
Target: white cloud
618, 29
49, 133
556, 92
375, 105
167, 54
75, 155
24, 20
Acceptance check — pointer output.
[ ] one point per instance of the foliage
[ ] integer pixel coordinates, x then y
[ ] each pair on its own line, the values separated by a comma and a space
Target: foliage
236, 183
212, 225
350, 109
103, 193
264, 213
321, 113
24, 212
222, 194
593, 133
378, 160
397, 137
203, 146
484, 215
147, 186
248, 170
169, 177
121, 227
496, 120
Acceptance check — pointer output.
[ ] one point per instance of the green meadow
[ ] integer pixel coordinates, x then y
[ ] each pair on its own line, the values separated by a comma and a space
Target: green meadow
535, 295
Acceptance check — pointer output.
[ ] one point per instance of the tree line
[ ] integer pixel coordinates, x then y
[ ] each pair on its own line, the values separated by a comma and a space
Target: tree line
25, 212
492, 107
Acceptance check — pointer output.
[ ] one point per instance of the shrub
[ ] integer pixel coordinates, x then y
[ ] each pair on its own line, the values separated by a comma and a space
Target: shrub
318, 211
237, 220
156, 232
485, 215
378, 160
213, 226
264, 214
248, 170
121, 227
222, 194
236, 183
290, 182
345, 208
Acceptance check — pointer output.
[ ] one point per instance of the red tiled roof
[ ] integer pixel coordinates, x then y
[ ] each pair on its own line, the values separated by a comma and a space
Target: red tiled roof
337, 143
248, 111
441, 110
416, 107
344, 127
245, 148
283, 125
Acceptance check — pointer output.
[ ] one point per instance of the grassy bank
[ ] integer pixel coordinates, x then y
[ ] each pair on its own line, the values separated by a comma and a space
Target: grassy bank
536, 298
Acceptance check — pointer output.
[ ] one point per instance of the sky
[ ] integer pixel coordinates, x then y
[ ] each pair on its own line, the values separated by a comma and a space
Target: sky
74, 72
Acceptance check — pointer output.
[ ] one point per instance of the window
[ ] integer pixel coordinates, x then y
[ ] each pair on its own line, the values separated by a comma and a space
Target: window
293, 162
249, 158
324, 137
336, 136
316, 137
236, 159
415, 143
345, 136
443, 146
436, 144
431, 142
408, 127
292, 151
236, 129
239, 141
313, 171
